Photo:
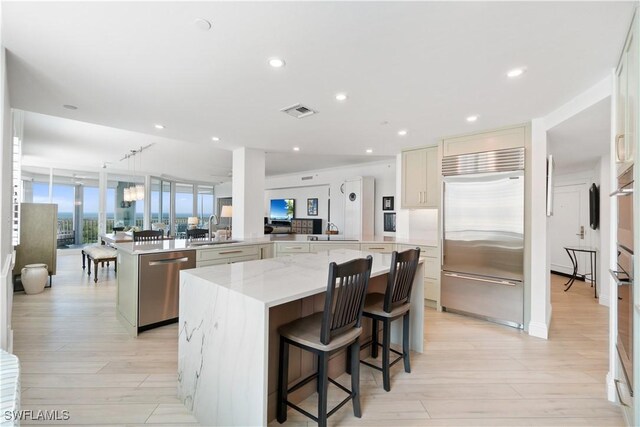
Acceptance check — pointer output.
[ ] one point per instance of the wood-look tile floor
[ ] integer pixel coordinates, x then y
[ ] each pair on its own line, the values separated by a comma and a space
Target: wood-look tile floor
75, 356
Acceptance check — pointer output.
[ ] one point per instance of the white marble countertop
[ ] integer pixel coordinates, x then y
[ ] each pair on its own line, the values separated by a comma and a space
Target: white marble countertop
277, 281
139, 248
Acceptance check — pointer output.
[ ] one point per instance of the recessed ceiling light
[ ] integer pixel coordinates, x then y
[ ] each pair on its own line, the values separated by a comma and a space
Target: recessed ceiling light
369, 151
215, 138
202, 24
472, 119
402, 132
70, 107
341, 97
516, 72
296, 148
159, 126
276, 62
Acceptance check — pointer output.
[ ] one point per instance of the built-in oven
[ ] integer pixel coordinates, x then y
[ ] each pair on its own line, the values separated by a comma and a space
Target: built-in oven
624, 274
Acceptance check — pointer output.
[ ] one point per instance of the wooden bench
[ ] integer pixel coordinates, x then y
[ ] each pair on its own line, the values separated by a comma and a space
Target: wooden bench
99, 254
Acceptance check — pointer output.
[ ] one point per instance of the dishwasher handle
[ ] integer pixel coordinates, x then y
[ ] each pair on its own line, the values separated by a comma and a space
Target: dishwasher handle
169, 261
478, 279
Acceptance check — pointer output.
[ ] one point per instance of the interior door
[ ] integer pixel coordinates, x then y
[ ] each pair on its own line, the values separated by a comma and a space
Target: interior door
568, 226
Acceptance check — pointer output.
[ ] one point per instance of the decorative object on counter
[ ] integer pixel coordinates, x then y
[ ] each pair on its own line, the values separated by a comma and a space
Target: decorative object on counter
192, 222
387, 203
147, 235
387, 307
312, 207
390, 222
34, 278
337, 327
227, 212
331, 228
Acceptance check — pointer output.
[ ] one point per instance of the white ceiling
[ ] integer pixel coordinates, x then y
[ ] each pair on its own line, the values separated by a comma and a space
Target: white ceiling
578, 143
419, 66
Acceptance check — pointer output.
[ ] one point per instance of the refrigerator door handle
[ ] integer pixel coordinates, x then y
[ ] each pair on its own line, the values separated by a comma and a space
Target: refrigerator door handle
478, 279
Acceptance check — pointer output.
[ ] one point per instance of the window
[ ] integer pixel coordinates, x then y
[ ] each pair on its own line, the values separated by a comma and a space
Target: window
205, 203
184, 207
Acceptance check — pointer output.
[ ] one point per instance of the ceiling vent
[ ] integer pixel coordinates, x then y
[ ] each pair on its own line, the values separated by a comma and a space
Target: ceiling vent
298, 111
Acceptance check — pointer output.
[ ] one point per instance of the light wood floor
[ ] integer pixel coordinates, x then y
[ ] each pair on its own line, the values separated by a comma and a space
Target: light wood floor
76, 357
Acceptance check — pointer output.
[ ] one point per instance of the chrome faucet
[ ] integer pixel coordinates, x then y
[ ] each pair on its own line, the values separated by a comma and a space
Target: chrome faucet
213, 219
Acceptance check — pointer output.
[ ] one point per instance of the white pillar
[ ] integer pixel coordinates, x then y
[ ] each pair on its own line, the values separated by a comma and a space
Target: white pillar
147, 203
102, 202
537, 252
248, 193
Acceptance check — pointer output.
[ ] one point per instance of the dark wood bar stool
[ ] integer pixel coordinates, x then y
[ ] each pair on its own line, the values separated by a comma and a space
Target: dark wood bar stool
147, 235
327, 332
391, 305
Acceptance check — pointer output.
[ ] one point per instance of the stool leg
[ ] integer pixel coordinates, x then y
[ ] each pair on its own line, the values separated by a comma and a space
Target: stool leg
83, 267
95, 272
355, 377
374, 338
349, 361
405, 342
323, 379
283, 381
386, 344
89, 267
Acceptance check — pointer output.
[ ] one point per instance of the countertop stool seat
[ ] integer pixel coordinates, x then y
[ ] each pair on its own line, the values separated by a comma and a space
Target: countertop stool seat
327, 332
387, 307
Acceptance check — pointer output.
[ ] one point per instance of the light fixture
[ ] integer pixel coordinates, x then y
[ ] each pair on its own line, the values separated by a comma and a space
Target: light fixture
402, 132
516, 72
159, 126
296, 148
70, 107
215, 138
341, 97
369, 151
472, 119
276, 62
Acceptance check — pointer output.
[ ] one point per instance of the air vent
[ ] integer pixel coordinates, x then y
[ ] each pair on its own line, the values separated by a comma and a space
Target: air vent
298, 111
306, 178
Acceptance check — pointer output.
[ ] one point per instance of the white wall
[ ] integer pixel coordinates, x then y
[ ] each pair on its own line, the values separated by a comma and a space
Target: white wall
300, 195
384, 174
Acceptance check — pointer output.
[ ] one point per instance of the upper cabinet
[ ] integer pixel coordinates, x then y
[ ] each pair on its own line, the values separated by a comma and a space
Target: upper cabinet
627, 101
420, 178
511, 137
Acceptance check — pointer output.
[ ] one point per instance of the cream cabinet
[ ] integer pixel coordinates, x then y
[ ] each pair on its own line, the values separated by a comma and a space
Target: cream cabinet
627, 102
228, 255
286, 248
498, 139
420, 178
383, 248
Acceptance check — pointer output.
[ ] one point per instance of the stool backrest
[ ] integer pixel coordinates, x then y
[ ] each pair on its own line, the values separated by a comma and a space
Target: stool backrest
197, 233
147, 235
400, 281
345, 295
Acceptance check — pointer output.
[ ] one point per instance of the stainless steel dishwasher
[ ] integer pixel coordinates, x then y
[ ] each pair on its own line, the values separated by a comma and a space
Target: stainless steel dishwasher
159, 286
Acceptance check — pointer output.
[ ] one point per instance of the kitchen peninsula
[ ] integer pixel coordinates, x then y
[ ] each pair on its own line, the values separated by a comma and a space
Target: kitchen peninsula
238, 308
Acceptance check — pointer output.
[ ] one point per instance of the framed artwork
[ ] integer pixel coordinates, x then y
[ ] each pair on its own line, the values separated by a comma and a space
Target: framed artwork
312, 207
387, 203
390, 221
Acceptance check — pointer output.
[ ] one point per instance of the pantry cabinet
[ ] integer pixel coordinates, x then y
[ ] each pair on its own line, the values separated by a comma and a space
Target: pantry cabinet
420, 178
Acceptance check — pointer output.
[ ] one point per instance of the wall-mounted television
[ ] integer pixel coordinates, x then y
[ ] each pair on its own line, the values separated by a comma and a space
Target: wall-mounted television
282, 209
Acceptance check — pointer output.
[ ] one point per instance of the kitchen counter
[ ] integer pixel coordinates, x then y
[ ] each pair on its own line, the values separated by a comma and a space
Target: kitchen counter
238, 308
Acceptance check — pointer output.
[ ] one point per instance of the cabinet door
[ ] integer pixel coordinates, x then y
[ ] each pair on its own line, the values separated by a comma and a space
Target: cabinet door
432, 187
632, 97
414, 178
621, 108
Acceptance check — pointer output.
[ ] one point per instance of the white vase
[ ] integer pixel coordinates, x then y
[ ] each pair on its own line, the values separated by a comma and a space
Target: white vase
34, 278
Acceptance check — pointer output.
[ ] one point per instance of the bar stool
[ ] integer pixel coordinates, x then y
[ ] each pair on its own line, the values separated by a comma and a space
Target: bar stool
327, 332
391, 305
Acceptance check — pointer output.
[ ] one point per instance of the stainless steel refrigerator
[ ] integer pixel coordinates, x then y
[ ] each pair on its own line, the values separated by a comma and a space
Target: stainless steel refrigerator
483, 235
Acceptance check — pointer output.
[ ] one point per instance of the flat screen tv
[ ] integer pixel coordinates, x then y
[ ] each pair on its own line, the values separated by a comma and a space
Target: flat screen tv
282, 209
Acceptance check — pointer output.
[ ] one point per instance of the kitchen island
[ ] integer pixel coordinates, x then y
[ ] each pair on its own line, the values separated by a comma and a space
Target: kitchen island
229, 317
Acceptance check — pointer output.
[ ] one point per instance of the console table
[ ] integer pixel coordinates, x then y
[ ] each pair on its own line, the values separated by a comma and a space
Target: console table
593, 272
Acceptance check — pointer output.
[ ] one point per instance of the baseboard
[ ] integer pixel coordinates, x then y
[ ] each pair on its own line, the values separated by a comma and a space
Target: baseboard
539, 329
611, 388
580, 277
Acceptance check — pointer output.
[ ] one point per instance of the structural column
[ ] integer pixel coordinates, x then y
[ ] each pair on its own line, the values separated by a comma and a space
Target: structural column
248, 193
